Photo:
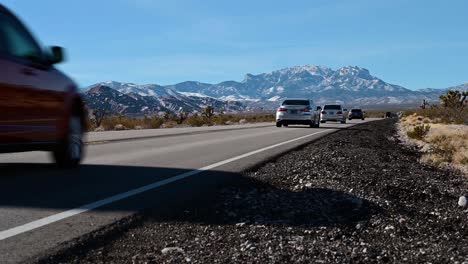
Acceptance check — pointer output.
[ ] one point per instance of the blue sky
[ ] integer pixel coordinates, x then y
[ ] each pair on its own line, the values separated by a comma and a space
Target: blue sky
415, 44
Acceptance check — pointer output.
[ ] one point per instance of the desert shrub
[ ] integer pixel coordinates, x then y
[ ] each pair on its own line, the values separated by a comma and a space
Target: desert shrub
195, 121
170, 120
419, 132
449, 148
449, 144
170, 124
110, 122
374, 114
90, 125
208, 112
153, 122
451, 110
220, 120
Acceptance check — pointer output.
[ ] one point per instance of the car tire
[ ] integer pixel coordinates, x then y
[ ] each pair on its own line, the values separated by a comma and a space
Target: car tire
285, 125
343, 122
323, 121
350, 119
278, 124
69, 152
362, 118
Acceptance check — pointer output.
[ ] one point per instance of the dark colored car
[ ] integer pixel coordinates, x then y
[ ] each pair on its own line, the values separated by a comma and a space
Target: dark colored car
356, 113
40, 108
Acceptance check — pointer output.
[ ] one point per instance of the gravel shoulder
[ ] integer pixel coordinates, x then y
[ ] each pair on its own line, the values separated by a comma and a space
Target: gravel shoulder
357, 196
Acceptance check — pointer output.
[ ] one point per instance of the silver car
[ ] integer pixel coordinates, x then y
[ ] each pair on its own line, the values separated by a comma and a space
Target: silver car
333, 112
297, 111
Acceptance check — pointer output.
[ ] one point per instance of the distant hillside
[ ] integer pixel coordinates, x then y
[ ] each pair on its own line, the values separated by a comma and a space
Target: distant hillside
352, 85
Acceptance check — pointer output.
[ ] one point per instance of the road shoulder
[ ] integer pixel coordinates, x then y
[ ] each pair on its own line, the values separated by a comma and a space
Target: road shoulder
356, 195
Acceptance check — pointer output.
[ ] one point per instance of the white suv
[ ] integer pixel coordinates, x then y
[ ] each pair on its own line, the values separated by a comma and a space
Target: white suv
297, 111
333, 113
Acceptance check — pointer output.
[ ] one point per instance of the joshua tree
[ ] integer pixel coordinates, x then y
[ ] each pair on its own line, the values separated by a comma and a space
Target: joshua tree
166, 116
181, 117
453, 99
98, 116
208, 112
454, 103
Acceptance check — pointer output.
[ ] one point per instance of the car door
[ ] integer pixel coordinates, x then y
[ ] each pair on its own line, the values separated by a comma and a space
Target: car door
28, 108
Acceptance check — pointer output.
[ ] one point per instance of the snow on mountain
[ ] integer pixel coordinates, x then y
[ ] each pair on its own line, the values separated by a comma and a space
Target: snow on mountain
130, 99
351, 84
461, 87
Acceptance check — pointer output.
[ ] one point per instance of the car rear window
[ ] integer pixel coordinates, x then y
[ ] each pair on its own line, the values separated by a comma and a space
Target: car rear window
296, 102
356, 111
332, 107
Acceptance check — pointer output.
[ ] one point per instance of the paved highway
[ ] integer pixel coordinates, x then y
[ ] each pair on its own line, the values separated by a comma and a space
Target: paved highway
41, 207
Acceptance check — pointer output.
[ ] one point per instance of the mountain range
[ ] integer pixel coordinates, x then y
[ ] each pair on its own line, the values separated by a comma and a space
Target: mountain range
351, 85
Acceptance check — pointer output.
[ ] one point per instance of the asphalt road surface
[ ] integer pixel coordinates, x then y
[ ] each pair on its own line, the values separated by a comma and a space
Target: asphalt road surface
41, 207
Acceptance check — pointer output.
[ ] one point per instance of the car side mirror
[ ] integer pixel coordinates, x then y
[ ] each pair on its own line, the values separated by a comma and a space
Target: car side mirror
57, 55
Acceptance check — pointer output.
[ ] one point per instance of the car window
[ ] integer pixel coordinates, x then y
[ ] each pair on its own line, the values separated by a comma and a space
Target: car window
16, 40
296, 102
332, 107
356, 110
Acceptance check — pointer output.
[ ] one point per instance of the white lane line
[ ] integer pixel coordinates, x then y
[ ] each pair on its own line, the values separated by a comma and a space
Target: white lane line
63, 215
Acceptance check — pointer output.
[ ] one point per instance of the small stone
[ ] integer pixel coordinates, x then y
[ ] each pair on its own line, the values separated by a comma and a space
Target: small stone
462, 201
169, 250
119, 127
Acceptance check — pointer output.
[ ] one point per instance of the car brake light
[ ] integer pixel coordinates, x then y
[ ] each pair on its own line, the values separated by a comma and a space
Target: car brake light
339, 113
323, 112
281, 109
305, 110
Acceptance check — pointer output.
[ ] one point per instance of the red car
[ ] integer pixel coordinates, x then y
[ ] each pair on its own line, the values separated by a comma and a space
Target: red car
40, 107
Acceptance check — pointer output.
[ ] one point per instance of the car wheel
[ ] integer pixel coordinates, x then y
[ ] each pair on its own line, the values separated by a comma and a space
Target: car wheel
317, 123
363, 118
285, 125
69, 153
343, 122
278, 124
323, 121
350, 119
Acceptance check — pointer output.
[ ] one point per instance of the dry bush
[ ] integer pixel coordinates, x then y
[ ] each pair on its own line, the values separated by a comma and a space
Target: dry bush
442, 144
445, 115
152, 122
453, 109
374, 114
419, 132
170, 124
195, 121
168, 121
449, 145
110, 122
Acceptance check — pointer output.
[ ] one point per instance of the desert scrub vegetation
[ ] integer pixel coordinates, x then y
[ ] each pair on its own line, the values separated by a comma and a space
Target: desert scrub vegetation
206, 118
441, 131
419, 131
